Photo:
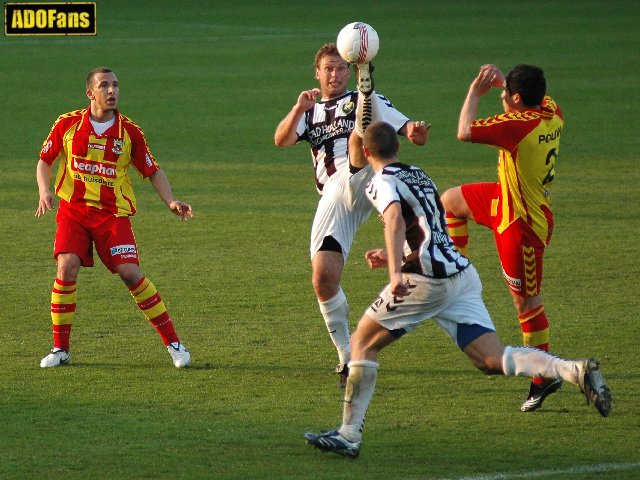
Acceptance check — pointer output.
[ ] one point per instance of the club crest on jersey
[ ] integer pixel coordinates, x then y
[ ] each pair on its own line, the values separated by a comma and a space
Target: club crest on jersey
348, 107
118, 144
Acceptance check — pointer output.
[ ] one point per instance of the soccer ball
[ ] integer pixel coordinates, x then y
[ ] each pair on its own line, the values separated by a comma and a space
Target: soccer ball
358, 42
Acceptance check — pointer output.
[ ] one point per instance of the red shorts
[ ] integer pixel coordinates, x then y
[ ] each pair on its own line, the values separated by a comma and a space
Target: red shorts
520, 250
82, 227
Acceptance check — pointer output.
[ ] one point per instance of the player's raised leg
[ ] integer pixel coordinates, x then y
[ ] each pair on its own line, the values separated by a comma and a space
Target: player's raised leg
365, 114
488, 355
457, 215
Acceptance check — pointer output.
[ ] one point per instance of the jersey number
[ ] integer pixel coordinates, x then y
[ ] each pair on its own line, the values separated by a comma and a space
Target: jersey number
553, 154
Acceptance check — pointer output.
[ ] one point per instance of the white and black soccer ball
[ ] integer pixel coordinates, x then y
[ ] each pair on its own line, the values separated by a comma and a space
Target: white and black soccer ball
358, 42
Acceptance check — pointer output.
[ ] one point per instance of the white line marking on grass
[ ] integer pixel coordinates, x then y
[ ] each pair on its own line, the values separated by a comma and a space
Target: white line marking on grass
577, 470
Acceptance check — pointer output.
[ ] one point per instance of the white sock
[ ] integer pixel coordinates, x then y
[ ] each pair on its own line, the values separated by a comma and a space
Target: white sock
365, 112
531, 362
336, 317
357, 395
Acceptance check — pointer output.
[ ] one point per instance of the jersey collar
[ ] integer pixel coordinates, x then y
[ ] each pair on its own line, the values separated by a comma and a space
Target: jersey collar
114, 130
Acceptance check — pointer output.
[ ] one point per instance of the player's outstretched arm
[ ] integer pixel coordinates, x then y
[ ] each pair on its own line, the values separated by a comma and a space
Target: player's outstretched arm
286, 131
160, 183
43, 177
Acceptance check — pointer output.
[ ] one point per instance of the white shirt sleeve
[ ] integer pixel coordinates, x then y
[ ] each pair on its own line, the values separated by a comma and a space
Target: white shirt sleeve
381, 192
384, 110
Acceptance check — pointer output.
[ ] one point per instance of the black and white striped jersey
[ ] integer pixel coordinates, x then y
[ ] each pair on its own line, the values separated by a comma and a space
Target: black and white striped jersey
426, 236
327, 127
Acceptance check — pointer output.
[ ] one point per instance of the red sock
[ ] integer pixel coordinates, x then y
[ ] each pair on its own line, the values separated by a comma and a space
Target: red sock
152, 306
459, 233
64, 296
164, 326
61, 334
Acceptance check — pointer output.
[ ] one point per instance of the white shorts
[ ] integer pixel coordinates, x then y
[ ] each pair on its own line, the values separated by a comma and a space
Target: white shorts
342, 209
454, 303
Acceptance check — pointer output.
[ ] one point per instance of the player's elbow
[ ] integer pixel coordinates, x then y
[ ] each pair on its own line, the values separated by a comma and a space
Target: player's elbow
464, 135
278, 140
284, 137
281, 141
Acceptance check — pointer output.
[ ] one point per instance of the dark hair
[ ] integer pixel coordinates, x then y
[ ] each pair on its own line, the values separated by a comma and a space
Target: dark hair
381, 140
93, 72
327, 50
529, 82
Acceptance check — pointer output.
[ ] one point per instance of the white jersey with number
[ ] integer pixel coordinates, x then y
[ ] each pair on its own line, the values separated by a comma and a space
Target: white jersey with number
428, 248
443, 285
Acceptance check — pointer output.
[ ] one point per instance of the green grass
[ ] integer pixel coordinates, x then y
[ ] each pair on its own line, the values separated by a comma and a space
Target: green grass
208, 82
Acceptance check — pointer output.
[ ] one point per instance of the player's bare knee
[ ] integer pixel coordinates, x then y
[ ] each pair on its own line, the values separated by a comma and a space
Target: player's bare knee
445, 197
130, 274
453, 202
68, 267
359, 346
449, 197
362, 350
325, 285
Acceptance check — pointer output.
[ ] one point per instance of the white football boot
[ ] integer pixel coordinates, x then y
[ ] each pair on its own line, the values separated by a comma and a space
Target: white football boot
179, 354
56, 358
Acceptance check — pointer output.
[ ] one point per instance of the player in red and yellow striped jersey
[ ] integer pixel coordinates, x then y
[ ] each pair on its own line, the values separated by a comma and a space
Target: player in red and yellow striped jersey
518, 207
96, 147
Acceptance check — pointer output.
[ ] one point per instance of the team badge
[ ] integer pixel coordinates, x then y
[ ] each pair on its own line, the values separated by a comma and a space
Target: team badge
347, 108
118, 144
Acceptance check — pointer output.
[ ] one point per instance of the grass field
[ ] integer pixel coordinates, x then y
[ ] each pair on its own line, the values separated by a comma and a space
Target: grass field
208, 81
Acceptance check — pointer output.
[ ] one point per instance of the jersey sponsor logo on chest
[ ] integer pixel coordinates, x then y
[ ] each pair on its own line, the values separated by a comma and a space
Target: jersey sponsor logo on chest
93, 168
339, 127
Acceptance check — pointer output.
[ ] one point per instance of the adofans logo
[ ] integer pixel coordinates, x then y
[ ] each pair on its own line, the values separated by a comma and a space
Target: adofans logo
50, 18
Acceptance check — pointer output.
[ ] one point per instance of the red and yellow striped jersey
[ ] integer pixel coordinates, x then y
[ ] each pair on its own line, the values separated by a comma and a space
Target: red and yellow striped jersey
94, 169
528, 143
